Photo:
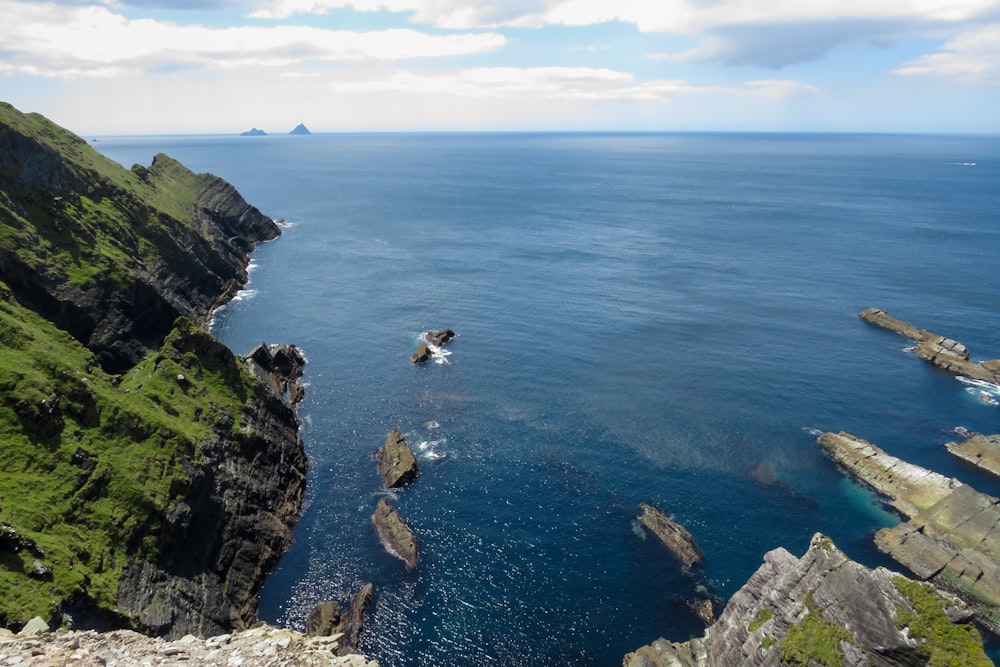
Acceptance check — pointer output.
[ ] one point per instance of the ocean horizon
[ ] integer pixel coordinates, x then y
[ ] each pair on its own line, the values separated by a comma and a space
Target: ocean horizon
643, 317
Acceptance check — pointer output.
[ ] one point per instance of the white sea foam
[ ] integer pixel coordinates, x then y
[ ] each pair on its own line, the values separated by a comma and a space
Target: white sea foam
245, 294
428, 449
432, 425
812, 430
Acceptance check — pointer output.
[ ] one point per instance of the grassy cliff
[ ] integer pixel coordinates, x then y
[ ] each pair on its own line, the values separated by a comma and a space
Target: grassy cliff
116, 409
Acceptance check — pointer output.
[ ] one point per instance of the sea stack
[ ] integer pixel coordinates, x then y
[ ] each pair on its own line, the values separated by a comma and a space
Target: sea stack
396, 463
300, 129
395, 535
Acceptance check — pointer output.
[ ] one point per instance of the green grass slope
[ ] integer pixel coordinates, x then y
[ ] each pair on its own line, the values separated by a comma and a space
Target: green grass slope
90, 464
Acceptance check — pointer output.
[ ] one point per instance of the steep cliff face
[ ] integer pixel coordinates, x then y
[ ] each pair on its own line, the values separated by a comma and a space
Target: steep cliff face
825, 609
149, 477
110, 255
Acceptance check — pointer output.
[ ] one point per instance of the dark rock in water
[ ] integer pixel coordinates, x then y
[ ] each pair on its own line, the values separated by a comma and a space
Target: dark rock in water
300, 129
945, 353
440, 337
324, 619
672, 534
823, 608
982, 451
703, 610
422, 354
396, 463
395, 535
431, 339
253, 133
353, 620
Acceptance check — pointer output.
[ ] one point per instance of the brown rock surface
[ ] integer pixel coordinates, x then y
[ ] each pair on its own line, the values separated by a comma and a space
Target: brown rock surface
396, 463
397, 538
672, 534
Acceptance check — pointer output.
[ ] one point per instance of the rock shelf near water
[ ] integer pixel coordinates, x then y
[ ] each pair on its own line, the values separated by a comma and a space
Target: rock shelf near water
982, 451
945, 353
792, 606
396, 463
327, 620
672, 534
952, 537
395, 535
910, 488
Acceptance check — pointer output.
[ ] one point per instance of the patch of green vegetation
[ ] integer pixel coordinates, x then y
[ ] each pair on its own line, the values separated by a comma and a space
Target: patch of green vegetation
762, 617
89, 465
814, 640
946, 644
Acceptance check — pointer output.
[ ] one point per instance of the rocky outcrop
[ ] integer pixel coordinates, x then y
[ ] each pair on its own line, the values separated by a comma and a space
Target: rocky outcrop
279, 367
253, 132
396, 463
673, 535
909, 488
952, 537
300, 129
261, 646
982, 451
824, 608
326, 619
421, 355
432, 340
945, 353
397, 538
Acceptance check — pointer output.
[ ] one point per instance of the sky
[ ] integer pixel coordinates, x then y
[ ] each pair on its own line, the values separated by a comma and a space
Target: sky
220, 66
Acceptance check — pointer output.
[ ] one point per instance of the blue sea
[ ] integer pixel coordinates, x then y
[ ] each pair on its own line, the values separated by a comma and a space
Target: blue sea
669, 318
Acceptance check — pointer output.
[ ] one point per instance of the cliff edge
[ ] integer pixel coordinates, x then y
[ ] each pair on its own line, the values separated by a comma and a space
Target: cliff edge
149, 477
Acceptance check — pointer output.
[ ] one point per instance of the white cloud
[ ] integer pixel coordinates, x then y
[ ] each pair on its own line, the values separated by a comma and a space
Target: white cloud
581, 84
43, 39
974, 54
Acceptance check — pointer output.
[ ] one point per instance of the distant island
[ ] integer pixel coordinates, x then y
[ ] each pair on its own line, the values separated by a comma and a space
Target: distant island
300, 129
253, 133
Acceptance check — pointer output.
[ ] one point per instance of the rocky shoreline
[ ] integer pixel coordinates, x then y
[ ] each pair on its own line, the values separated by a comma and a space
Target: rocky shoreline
260, 646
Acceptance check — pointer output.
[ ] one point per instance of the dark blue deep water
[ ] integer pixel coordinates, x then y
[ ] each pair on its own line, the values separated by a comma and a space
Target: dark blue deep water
662, 318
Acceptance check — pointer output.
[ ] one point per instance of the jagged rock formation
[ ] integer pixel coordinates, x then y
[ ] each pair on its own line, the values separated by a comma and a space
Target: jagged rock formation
673, 535
982, 451
261, 646
952, 537
439, 337
396, 463
253, 133
825, 609
945, 353
395, 535
164, 473
326, 619
300, 129
112, 256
